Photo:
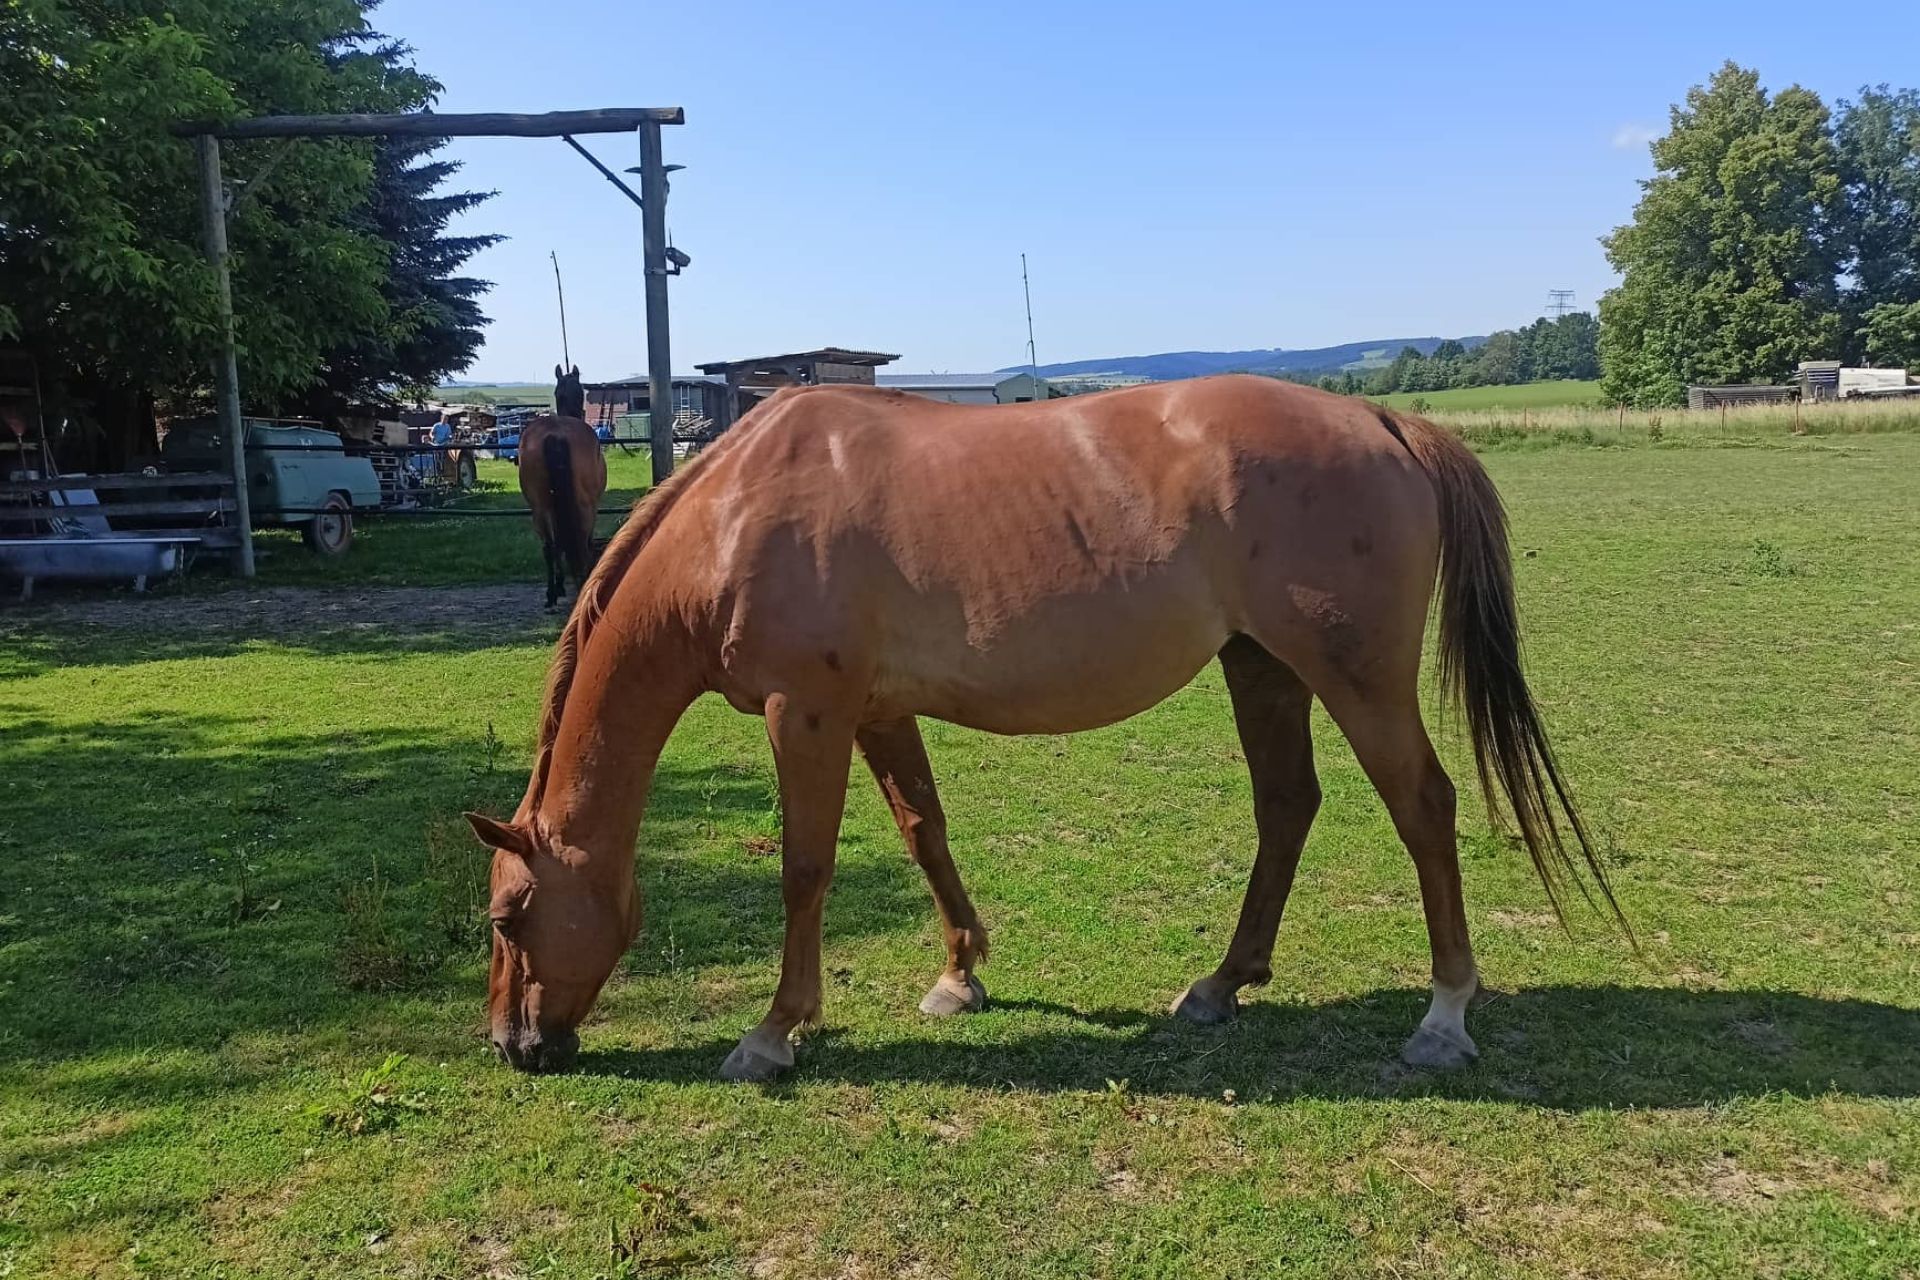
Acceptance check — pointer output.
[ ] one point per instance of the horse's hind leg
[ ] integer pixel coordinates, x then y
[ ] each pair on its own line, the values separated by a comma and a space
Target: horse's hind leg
1392, 745
556, 584
898, 759
1270, 710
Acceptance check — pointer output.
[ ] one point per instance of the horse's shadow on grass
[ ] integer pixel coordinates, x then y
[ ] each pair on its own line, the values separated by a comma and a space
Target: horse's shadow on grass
1563, 1047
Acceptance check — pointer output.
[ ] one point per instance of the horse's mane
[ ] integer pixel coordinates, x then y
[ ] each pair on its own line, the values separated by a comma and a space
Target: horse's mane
591, 605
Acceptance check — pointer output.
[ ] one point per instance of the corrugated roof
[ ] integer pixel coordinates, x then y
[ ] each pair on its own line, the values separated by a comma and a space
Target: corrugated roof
832, 355
946, 381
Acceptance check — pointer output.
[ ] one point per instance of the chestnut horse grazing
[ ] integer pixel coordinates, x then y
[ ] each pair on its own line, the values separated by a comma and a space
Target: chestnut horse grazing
847, 559
563, 477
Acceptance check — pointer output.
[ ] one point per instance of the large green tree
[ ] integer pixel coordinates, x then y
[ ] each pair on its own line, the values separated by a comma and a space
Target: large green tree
434, 323
1729, 270
1878, 140
101, 274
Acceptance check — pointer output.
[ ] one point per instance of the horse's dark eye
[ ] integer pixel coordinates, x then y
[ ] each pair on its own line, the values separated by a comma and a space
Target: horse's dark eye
506, 914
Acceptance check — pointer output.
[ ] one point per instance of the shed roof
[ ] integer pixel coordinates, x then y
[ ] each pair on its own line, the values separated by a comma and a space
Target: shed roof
832, 355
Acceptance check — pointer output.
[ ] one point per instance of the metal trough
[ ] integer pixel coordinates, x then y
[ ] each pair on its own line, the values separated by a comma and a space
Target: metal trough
91, 559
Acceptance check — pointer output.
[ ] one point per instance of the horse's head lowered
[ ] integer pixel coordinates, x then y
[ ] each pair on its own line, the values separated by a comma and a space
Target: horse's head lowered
569, 397
558, 931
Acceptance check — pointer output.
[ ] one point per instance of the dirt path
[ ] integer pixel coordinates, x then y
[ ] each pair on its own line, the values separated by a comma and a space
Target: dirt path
295, 613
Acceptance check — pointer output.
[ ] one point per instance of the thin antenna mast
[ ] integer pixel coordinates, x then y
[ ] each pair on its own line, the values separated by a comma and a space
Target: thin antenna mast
1559, 301
566, 356
1033, 360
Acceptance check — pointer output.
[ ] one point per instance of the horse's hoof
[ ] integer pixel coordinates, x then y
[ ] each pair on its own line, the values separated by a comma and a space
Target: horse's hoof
1207, 1004
754, 1061
949, 997
1438, 1051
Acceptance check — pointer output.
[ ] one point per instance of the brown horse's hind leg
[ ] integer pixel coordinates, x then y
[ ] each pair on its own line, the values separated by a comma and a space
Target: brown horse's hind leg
1270, 709
556, 583
898, 759
812, 747
1392, 745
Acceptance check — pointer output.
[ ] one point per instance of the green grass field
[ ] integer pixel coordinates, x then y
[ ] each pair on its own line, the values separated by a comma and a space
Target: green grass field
242, 964
493, 393
1527, 395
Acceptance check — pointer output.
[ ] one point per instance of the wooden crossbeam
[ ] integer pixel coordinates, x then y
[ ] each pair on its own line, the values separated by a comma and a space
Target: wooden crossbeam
438, 124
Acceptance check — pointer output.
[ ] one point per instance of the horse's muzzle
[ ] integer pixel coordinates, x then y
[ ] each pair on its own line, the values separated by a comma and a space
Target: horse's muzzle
535, 1052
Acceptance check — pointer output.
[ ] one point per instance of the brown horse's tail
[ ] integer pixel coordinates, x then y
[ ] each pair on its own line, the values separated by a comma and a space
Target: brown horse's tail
570, 529
1480, 666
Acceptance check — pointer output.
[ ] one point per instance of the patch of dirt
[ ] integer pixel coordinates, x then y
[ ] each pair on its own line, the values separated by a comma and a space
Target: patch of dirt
1728, 1183
1524, 919
298, 613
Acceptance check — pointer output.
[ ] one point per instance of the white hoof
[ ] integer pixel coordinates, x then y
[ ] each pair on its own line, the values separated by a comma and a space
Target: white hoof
1206, 1003
950, 996
757, 1059
1438, 1050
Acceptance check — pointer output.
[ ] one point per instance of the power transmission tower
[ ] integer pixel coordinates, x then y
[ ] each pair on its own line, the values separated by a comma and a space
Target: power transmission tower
1559, 302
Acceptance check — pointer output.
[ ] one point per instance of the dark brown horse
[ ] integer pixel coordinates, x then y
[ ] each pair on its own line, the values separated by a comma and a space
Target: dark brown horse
848, 559
563, 476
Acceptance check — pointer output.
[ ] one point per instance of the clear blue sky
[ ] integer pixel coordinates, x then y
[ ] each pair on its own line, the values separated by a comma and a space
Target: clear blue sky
1181, 176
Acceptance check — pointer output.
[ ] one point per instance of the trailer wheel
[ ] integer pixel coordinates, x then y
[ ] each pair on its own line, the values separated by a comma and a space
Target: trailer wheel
330, 532
469, 473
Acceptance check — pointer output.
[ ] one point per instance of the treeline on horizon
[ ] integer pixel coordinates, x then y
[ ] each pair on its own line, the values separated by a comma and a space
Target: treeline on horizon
1566, 346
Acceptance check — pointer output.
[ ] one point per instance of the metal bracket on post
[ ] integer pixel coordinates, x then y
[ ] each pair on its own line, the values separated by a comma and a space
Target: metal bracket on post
226, 371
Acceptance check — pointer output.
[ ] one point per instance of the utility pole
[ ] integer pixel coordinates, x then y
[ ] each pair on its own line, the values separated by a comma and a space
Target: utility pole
226, 370
653, 234
566, 354
1033, 360
1559, 302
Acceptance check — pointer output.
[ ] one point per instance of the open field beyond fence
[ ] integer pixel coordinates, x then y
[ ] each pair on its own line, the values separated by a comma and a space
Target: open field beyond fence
242, 948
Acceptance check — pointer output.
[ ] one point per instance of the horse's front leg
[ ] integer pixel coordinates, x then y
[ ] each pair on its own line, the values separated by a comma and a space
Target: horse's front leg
812, 749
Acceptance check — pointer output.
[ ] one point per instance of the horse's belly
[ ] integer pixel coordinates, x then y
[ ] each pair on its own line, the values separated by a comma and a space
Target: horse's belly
1072, 663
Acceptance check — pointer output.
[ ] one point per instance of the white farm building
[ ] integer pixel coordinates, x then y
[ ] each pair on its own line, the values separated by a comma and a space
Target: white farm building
971, 388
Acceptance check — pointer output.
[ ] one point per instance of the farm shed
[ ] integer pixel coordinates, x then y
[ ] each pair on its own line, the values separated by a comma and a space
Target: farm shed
819, 367
699, 400
972, 388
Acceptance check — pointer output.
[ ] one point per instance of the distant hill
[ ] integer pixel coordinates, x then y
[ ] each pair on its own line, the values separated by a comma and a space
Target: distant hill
1170, 365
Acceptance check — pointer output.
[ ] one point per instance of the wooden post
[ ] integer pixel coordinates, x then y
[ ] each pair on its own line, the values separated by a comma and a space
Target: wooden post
653, 233
226, 372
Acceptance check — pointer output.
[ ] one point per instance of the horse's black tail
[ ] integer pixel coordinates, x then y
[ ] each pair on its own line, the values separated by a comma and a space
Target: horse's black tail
570, 529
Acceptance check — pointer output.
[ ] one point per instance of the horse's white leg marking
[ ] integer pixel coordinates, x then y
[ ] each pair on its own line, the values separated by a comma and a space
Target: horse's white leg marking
1442, 1040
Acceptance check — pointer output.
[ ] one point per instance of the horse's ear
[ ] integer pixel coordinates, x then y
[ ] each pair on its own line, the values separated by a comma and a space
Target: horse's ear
558, 373
576, 371
501, 835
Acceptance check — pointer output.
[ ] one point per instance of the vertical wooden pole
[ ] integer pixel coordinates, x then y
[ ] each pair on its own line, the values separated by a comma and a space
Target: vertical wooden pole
653, 230
226, 371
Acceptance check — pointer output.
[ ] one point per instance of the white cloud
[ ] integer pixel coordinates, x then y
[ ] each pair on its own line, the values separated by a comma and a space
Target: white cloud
1630, 136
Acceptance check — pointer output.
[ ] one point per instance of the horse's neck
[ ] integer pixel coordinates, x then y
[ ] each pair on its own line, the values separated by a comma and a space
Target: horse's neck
627, 694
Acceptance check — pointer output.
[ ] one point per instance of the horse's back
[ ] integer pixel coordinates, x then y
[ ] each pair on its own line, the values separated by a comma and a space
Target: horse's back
964, 554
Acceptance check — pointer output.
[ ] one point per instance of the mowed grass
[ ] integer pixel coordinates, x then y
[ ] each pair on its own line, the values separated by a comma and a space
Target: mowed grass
1557, 394
238, 885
